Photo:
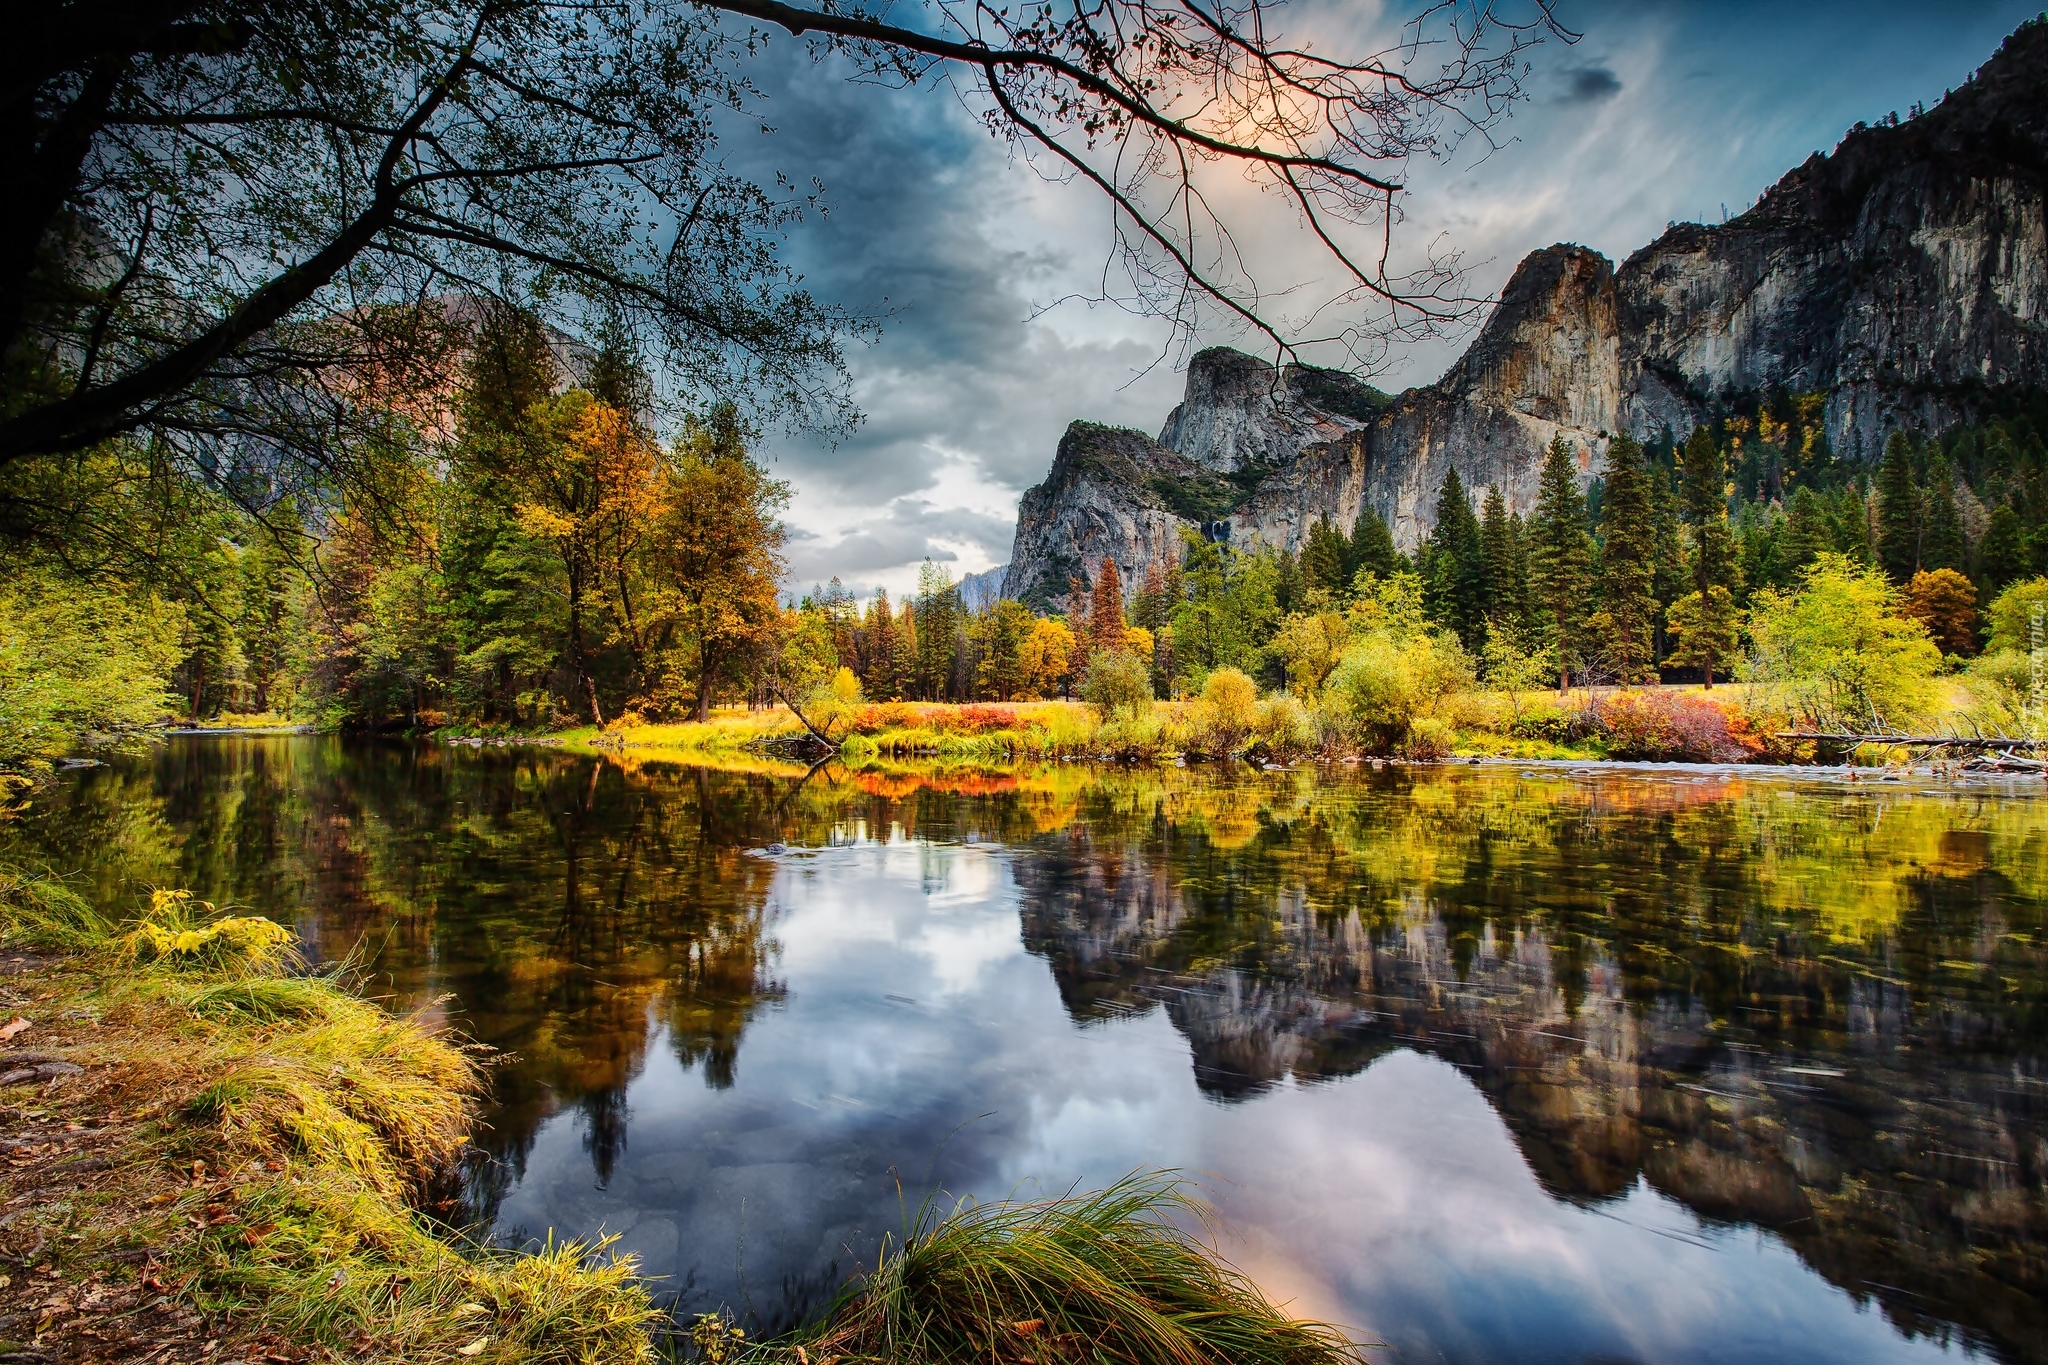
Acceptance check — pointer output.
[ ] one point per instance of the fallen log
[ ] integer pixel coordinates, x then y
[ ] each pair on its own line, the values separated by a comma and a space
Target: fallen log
1920, 741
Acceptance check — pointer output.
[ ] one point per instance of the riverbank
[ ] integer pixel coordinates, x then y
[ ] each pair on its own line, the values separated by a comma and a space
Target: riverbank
213, 1157
1676, 723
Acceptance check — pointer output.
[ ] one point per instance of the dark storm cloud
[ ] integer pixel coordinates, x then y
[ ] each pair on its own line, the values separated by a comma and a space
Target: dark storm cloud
1590, 85
964, 387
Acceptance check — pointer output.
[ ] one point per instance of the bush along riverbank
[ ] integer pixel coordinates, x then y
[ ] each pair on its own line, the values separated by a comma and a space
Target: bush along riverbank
213, 1156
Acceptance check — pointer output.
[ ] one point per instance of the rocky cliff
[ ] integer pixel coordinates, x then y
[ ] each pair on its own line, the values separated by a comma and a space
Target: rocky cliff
1905, 277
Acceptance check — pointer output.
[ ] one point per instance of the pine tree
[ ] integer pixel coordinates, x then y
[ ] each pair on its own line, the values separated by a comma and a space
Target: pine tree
1629, 614
1291, 592
1455, 588
1323, 555
2002, 554
880, 679
1941, 528
1500, 551
1898, 511
1703, 619
1807, 533
1371, 548
1560, 558
1106, 625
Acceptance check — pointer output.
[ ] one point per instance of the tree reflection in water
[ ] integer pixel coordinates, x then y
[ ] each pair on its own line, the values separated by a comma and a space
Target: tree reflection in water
1805, 1006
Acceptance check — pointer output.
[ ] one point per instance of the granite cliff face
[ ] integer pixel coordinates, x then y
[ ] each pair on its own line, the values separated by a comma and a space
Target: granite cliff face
1905, 276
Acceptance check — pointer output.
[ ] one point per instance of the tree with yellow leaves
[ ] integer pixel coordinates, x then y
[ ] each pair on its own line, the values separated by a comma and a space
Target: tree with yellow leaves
587, 491
716, 550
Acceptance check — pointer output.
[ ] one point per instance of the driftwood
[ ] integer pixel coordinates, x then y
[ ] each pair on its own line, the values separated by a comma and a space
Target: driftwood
784, 697
1920, 741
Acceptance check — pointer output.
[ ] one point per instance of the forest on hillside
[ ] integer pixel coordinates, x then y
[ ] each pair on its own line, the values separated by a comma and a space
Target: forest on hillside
538, 557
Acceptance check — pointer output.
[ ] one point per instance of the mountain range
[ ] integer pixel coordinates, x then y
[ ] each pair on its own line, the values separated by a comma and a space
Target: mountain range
1902, 278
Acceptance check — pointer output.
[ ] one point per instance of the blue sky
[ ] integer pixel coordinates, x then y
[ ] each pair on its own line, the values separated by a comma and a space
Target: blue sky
1659, 113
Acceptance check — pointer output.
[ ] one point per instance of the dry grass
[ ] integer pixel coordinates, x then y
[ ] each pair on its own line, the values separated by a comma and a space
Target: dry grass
236, 1160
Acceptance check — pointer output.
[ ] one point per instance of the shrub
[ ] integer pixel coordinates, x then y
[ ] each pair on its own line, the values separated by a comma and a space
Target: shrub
1111, 1275
1284, 727
1226, 712
1838, 653
1667, 727
976, 718
2010, 617
1388, 681
1428, 740
1119, 684
1554, 724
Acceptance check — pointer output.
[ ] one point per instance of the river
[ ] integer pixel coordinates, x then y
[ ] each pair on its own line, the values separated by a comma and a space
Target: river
1486, 1064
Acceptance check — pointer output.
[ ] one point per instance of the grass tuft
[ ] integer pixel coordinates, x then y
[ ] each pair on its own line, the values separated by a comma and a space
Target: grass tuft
1112, 1275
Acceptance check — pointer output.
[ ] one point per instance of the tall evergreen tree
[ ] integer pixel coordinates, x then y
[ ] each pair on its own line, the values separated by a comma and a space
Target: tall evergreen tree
1898, 510
1629, 614
1371, 547
1807, 532
1702, 620
880, 679
1501, 552
1106, 609
1561, 559
1323, 556
940, 623
2002, 554
1941, 527
1455, 587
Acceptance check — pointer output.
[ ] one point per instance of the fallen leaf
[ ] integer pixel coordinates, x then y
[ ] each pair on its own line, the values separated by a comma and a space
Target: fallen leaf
475, 1348
1027, 1326
20, 1025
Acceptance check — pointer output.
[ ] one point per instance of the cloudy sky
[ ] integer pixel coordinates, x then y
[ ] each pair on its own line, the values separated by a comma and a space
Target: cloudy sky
1661, 112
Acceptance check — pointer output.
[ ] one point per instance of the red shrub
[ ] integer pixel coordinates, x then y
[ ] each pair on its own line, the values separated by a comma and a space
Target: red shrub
878, 716
974, 718
1668, 727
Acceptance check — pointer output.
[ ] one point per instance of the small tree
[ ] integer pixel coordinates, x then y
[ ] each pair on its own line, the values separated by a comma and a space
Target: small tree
1227, 711
1945, 603
1046, 654
1119, 684
1704, 631
1838, 653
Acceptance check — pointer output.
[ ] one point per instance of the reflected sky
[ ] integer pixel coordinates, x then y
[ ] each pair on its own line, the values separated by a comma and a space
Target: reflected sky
1487, 1064
920, 1041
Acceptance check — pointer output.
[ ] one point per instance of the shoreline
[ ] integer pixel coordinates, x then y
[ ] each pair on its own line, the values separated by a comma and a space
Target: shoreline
264, 1189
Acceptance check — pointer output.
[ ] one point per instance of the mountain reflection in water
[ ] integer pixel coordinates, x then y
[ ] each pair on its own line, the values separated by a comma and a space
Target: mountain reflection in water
1492, 1065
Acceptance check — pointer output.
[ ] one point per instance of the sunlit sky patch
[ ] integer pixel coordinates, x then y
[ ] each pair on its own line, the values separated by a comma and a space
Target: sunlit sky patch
1660, 113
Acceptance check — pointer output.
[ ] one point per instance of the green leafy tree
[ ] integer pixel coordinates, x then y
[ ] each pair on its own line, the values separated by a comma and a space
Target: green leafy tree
80, 663
1629, 616
1000, 634
1838, 654
1229, 612
1561, 560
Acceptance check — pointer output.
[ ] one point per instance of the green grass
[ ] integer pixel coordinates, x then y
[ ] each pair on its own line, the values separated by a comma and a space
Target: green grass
1113, 1275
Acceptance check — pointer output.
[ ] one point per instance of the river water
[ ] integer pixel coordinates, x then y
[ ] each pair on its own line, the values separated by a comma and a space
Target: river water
1484, 1063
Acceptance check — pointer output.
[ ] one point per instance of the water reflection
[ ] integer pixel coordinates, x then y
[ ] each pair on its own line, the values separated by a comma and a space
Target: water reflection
1493, 1065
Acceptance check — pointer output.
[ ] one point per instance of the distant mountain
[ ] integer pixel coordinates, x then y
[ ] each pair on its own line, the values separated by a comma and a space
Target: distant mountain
1904, 277
978, 590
